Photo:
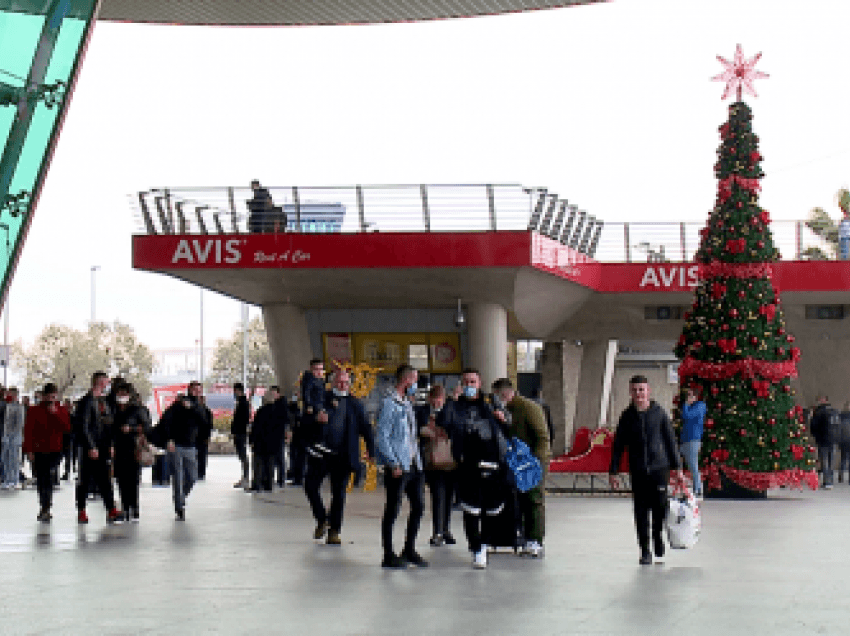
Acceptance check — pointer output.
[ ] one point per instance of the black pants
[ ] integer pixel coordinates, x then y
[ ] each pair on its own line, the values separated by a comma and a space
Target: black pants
476, 527
241, 444
280, 465
441, 484
203, 455
297, 460
411, 484
264, 471
649, 493
96, 470
317, 470
127, 474
43, 467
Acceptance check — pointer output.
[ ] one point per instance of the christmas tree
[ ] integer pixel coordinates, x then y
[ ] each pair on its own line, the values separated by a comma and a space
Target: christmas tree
735, 349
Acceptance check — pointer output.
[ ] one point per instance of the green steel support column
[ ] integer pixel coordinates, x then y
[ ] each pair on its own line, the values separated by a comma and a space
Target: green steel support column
41, 48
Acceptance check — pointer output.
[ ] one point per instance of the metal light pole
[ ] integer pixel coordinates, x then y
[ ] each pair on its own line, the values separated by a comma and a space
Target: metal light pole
202, 339
94, 269
6, 317
245, 345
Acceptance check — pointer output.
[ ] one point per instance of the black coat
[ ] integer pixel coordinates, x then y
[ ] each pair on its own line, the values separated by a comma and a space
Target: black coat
825, 425
313, 401
475, 433
181, 424
269, 428
138, 420
649, 438
356, 426
93, 417
241, 416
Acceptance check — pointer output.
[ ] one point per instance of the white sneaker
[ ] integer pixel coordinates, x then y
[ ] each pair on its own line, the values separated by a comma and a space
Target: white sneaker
479, 559
534, 549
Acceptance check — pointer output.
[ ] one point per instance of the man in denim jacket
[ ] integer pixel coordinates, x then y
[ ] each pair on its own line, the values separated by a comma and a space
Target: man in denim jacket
398, 451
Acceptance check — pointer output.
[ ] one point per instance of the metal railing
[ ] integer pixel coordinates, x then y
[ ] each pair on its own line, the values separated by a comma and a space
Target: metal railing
440, 208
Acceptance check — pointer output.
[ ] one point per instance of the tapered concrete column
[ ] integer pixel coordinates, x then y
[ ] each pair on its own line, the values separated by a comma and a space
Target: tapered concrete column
594, 389
560, 370
488, 341
289, 340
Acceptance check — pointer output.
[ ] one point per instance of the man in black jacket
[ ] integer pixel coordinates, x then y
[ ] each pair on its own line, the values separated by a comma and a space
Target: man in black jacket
266, 437
182, 422
239, 430
645, 430
314, 416
204, 435
825, 427
94, 418
344, 423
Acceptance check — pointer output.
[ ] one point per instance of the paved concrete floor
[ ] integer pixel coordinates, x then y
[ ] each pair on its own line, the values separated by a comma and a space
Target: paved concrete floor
245, 564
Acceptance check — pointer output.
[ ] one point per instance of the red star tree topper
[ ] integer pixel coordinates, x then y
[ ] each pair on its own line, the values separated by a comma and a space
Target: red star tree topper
734, 348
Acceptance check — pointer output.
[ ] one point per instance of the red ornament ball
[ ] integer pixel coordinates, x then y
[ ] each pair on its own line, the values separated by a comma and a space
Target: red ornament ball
772, 421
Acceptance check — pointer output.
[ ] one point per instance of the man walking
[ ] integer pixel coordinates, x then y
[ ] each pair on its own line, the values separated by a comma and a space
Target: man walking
13, 437
203, 442
183, 420
266, 437
94, 417
239, 430
825, 427
398, 451
528, 423
46, 424
645, 430
344, 424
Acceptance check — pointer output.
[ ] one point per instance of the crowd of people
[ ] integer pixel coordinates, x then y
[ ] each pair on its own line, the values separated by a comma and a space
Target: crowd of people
455, 444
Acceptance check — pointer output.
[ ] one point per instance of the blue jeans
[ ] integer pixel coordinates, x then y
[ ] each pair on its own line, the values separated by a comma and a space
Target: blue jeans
690, 450
184, 467
11, 459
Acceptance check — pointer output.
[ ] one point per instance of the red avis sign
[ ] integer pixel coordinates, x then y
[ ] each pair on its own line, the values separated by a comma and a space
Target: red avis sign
670, 277
202, 251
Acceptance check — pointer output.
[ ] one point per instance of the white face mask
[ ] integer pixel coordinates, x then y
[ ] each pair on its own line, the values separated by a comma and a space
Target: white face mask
340, 393
123, 399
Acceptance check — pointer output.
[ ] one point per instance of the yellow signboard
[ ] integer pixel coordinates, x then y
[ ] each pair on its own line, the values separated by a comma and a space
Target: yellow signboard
428, 353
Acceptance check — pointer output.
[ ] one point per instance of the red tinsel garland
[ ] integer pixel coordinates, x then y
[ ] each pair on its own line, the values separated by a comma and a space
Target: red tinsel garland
716, 269
792, 477
724, 186
748, 368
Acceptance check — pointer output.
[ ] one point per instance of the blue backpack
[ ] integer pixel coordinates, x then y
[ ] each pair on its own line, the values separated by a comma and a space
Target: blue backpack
525, 469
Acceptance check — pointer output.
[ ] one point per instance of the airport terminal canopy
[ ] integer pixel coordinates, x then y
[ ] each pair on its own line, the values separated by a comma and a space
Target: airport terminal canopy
289, 12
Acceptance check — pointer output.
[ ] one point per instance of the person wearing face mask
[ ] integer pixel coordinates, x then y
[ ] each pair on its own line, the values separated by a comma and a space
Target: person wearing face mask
526, 421
132, 423
438, 476
398, 451
94, 419
45, 425
479, 447
345, 423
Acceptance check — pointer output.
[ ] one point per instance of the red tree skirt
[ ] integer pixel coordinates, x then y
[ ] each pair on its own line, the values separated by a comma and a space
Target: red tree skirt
792, 477
747, 368
716, 269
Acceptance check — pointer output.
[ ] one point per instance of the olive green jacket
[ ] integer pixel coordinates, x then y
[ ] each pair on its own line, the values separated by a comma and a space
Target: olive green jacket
529, 424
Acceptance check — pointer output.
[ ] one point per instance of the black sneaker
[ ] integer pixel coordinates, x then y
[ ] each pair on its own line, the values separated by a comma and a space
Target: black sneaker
645, 557
414, 559
436, 541
658, 544
181, 514
393, 561
448, 539
134, 515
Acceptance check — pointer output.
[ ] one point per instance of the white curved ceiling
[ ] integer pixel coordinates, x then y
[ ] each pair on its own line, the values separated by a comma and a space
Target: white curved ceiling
311, 12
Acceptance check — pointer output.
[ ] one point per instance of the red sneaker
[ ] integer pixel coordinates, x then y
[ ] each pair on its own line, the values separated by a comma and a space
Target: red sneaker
113, 516
82, 517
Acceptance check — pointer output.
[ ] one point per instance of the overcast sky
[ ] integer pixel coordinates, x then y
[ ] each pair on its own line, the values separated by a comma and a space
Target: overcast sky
608, 105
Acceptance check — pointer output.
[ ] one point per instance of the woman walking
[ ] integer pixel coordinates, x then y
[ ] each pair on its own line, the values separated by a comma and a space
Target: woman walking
132, 423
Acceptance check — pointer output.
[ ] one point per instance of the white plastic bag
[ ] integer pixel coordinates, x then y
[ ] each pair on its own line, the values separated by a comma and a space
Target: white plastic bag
684, 522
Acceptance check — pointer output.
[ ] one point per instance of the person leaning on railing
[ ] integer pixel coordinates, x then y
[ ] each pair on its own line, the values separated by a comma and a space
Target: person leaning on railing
264, 216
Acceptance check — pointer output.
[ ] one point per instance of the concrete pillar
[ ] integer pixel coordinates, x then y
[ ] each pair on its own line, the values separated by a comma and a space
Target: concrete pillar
488, 341
594, 387
560, 370
289, 340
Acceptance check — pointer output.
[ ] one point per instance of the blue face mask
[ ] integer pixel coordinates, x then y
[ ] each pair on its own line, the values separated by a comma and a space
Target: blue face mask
470, 391
411, 390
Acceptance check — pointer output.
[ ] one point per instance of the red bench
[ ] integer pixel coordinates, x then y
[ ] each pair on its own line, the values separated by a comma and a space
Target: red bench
586, 463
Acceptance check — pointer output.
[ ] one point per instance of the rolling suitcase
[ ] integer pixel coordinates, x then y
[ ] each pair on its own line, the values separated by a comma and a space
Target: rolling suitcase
503, 531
